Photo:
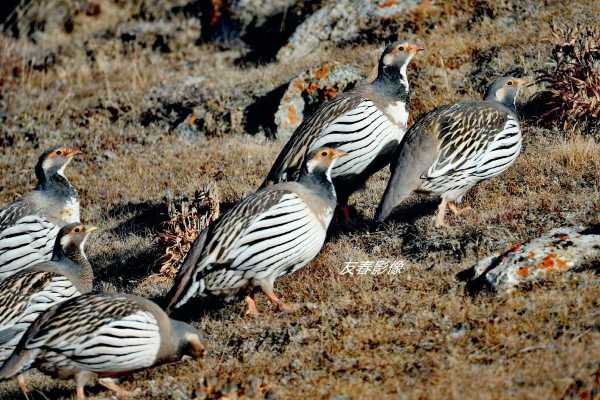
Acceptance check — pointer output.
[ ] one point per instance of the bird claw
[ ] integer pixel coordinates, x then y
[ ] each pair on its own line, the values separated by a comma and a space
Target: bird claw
23, 385
109, 383
251, 311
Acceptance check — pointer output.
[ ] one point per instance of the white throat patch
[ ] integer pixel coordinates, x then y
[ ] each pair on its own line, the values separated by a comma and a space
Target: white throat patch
61, 171
398, 113
71, 211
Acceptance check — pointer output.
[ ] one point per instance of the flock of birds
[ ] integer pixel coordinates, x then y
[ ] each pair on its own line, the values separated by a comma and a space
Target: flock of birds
51, 320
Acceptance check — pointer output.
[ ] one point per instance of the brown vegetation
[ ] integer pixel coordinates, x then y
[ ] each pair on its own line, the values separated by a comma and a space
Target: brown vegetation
573, 82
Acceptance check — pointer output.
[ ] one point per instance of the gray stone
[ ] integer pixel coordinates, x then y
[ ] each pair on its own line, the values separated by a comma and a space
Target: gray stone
195, 104
340, 22
558, 251
257, 12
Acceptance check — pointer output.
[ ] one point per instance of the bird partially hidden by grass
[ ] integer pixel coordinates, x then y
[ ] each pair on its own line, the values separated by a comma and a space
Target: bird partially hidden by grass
270, 233
101, 336
454, 147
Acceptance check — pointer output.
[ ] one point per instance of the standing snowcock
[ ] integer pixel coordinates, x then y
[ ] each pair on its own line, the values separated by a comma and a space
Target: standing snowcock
367, 122
454, 147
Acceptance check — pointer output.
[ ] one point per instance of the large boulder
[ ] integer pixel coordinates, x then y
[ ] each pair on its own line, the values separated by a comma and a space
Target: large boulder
558, 251
306, 92
341, 22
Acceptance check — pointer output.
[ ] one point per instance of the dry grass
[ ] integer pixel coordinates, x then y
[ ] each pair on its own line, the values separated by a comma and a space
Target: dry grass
187, 218
414, 335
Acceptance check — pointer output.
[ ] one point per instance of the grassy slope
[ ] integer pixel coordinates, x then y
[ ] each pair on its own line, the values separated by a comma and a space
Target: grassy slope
413, 335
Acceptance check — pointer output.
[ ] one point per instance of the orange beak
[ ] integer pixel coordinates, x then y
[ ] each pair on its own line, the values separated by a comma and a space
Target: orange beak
414, 49
72, 152
338, 153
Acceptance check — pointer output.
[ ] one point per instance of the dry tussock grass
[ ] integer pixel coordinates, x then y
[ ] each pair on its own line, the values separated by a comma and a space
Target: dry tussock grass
186, 219
414, 335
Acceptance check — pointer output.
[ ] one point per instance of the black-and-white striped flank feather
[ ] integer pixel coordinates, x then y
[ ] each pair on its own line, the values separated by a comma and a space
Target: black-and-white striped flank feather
268, 234
28, 241
363, 133
287, 166
23, 297
476, 141
99, 333
351, 123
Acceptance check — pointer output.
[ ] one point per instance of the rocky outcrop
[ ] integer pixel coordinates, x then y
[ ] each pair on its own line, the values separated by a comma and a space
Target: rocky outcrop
196, 106
306, 92
341, 22
558, 251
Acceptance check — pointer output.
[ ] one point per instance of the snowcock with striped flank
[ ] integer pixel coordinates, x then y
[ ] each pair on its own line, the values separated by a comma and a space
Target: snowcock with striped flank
28, 226
269, 234
367, 122
102, 336
454, 147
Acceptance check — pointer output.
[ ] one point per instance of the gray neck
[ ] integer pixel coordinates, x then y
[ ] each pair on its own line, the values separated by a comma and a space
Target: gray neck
319, 181
76, 264
392, 82
507, 100
57, 186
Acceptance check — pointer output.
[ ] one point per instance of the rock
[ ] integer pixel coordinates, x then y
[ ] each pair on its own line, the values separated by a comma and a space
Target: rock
306, 92
341, 22
195, 104
560, 250
161, 35
257, 12
263, 25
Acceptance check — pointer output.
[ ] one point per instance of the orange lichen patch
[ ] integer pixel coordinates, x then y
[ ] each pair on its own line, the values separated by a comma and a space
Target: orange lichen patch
530, 254
563, 237
547, 262
312, 88
561, 264
192, 120
515, 247
292, 116
523, 272
388, 3
322, 72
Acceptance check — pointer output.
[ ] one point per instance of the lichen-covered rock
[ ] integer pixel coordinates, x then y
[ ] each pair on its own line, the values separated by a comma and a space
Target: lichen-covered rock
306, 92
558, 251
342, 21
